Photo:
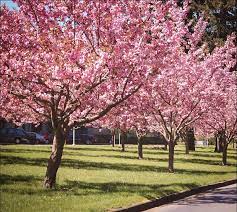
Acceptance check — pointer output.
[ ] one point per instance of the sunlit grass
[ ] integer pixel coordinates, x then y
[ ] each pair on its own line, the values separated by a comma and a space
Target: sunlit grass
98, 178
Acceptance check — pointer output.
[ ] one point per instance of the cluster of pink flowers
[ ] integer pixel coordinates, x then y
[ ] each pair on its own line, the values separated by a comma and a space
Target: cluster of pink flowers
126, 64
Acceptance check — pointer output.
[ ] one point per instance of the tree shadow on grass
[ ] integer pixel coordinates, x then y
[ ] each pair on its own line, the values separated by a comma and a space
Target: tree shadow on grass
16, 160
121, 156
203, 161
10, 179
89, 165
74, 163
12, 159
80, 151
25, 151
23, 184
150, 191
127, 150
147, 156
92, 148
81, 188
211, 155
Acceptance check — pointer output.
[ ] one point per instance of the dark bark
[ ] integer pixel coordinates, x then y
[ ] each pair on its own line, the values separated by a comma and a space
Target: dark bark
219, 142
224, 155
123, 140
186, 147
140, 151
217, 146
171, 156
55, 158
189, 140
222, 145
165, 147
225, 146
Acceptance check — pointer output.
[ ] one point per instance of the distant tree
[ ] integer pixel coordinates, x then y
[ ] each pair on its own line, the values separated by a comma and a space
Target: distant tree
222, 117
187, 90
187, 135
219, 141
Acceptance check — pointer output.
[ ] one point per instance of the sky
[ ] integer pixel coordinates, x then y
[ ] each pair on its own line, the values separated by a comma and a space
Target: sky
9, 3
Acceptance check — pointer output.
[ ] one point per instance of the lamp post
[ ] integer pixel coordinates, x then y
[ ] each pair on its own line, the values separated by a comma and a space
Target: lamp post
119, 137
73, 136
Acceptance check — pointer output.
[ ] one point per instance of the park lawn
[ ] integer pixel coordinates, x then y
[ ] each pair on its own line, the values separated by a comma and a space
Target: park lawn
98, 178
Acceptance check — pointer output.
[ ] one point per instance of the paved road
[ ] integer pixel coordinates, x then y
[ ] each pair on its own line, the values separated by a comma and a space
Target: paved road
218, 200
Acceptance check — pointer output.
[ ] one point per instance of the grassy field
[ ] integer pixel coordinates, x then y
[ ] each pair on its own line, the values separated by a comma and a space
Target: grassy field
98, 178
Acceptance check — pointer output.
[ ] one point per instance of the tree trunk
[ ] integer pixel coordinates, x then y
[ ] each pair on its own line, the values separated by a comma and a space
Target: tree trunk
225, 146
55, 158
224, 155
191, 139
165, 148
219, 142
123, 138
171, 156
186, 147
140, 152
218, 146
216, 143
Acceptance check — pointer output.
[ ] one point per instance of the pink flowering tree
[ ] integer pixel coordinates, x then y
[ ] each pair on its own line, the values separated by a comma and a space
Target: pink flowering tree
71, 62
115, 121
140, 124
188, 89
132, 115
222, 117
121, 119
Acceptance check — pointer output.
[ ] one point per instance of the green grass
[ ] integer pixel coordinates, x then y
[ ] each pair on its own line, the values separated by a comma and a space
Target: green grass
98, 178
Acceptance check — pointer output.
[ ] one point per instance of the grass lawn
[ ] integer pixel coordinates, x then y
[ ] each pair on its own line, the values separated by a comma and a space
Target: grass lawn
98, 178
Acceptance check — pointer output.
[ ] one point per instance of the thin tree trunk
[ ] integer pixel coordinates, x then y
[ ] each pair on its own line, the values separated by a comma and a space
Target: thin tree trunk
140, 152
189, 140
218, 147
165, 148
219, 142
186, 147
224, 155
123, 138
55, 159
216, 143
183, 135
171, 156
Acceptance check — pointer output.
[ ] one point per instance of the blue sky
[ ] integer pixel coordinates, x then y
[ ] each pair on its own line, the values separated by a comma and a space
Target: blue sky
9, 3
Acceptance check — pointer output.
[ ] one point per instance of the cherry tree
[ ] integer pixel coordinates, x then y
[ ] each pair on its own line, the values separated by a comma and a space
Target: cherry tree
121, 118
187, 135
175, 63
188, 89
222, 117
71, 62
115, 121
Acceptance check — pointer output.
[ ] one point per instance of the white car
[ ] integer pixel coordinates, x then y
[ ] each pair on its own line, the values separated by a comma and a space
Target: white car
201, 143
